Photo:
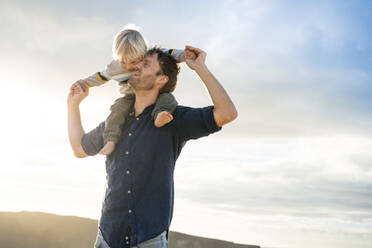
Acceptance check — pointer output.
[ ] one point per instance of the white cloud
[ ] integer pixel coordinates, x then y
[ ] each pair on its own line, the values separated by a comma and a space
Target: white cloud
296, 183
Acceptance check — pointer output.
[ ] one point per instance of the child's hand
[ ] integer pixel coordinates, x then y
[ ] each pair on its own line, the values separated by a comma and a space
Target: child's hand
80, 83
77, 94
189, 54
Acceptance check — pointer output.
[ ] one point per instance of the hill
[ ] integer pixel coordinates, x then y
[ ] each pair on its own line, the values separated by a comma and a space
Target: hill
42, 230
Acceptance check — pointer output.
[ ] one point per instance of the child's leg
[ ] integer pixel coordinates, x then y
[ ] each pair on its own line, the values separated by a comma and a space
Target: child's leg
164, 107
115, 121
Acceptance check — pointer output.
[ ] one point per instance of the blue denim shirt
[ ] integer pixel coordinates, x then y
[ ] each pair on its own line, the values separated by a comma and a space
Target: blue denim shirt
138, 203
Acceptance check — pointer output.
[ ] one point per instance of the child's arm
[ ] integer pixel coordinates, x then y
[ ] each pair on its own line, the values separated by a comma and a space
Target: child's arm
113, 71
178, 54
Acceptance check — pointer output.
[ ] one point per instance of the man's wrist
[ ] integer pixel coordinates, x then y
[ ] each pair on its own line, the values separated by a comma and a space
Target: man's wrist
73, 105
202, 69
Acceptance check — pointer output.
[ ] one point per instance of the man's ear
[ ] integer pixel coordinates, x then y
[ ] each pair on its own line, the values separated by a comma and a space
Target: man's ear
162, 80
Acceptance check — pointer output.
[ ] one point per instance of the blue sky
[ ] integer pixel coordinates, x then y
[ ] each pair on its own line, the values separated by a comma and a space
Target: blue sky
295, 168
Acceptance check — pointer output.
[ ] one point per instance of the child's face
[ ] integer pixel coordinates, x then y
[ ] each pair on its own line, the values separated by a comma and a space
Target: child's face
130, 65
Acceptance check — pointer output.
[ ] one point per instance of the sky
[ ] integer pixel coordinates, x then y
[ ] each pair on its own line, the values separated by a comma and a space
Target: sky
293, 170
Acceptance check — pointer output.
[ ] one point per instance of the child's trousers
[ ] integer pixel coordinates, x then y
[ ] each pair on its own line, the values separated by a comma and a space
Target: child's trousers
122, 107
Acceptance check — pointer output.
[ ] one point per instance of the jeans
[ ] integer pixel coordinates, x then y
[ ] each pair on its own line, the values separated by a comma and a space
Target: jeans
159, 241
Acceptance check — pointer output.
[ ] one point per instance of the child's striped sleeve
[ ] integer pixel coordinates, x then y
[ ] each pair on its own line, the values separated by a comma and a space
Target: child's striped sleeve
113, 71
178, 54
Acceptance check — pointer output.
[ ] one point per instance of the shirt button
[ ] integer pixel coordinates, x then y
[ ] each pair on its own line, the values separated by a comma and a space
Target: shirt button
129, 211
126, 238
129, 191
128, 171
127, 152
137, 118
130, 134
127, 242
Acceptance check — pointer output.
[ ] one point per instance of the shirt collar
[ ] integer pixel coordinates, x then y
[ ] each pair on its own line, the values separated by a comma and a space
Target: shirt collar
145, 111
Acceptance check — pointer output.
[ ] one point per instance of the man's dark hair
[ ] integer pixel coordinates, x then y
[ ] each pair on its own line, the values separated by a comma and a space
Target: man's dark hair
168, 67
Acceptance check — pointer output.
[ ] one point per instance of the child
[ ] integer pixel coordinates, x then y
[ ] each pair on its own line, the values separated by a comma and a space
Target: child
129, 48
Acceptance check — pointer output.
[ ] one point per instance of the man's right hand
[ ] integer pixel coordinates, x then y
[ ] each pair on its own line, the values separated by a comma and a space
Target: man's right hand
77, 93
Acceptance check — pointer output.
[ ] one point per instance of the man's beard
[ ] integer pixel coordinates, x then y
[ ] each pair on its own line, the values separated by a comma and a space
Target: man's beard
146, 83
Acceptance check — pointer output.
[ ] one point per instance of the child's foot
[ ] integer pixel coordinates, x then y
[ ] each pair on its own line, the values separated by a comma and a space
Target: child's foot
108, 148
163, 118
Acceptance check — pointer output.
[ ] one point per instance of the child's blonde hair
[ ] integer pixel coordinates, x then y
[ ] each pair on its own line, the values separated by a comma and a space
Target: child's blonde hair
129, 45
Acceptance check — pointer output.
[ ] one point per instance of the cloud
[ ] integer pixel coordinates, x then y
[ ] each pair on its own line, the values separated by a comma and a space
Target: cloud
291, 75
309, 178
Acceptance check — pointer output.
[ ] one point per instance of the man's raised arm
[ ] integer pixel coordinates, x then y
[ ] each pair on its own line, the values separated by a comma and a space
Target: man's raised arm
75, 128
224, 109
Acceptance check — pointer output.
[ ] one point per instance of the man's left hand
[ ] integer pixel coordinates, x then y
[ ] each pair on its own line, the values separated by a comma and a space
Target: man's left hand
195, 63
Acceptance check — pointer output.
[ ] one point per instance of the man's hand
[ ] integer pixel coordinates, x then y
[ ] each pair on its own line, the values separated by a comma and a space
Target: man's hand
195, 58
78, 91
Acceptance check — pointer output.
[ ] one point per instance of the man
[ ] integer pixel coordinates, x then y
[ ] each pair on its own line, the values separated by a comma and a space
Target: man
138, 205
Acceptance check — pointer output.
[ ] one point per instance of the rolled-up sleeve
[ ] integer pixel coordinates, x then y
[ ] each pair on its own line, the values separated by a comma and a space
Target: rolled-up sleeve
92, 142
194, 123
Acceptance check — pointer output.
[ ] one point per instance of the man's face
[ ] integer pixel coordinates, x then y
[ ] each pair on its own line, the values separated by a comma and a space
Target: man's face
145, 77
